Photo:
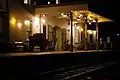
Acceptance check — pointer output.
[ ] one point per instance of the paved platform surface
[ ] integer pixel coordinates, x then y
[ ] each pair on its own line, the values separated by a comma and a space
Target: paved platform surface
44, 53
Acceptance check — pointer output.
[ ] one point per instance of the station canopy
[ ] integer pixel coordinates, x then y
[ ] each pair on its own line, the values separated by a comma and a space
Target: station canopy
79, 11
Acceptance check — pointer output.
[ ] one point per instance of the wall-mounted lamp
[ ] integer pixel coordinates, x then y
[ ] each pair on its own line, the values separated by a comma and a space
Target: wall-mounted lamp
43, 21
94, 32
48, 2
19, 25
13, 21
36, 21
81, 29
27, 23
89, 31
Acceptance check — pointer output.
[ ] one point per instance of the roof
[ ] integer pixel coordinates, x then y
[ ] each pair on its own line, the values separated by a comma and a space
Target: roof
53, 10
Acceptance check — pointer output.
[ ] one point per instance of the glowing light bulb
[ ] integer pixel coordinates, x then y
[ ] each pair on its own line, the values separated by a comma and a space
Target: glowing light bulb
118, 34
81, 29
48, 2
27, 22
19, 25
89, 31
43, 21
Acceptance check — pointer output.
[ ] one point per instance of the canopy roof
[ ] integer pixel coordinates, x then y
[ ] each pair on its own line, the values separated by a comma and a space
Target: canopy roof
78, 9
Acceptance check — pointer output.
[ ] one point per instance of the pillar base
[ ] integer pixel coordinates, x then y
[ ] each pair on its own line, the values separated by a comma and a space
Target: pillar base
97, 45
86, 46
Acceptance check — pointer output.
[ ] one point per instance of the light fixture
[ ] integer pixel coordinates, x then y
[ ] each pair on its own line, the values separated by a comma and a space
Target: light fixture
25, 1
89, 31
48, 2
27, 22
57, 1
90, 18
94, 32
80, 15
63, 15
43, 15
118, 34
43, 21
19, 25
13, 21
74, 22
94, 21
36, 21
77, 27
89, 23
76, 13
81, 29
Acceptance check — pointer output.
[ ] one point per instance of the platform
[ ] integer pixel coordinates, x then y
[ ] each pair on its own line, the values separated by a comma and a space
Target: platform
48, 53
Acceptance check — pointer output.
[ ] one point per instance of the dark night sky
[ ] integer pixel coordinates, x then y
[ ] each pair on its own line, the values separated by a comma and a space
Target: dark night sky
108, 9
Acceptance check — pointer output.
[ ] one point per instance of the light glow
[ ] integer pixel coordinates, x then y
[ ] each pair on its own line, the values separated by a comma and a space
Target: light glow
74, 22
94, 32
25, 1
43, 21
57, 1
81, 29
36, 21
77, 27
19, 25
48, 2
89, 23
89, 31
13, 21
118, 34
80, 15
27, 22
64, 15
18, 42
36, 25
43, 15
90, 18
